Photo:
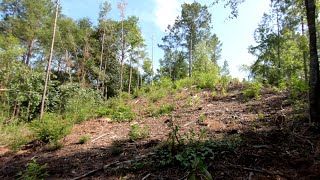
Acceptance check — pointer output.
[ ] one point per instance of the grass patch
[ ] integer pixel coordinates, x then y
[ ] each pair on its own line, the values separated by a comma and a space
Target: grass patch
137, 133
52, 129
15, 135
153, 111
33, 171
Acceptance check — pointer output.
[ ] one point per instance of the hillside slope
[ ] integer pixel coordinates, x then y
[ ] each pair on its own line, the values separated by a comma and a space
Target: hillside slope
264, 141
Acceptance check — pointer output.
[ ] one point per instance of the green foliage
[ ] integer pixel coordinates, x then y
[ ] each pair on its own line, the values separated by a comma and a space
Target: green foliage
166, 109
123, 114
225, 81
191, 150
193, 101
152, 111
253, 90
184, 83
156, 95
137, 133
83, 139
52, 129
206, 80
33, 171
199, 167
83, 108
298, 87
15, 135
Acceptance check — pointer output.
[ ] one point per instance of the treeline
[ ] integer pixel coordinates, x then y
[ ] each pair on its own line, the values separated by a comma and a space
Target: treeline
105, 58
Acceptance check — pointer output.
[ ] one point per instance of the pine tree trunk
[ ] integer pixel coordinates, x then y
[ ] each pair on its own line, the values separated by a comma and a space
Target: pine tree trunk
190, 58
101, 56
29, 53
49, 63
305, 69
130, 76
122, 57
314, 84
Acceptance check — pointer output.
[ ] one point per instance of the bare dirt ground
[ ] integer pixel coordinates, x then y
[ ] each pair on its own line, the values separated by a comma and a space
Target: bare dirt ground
274, 145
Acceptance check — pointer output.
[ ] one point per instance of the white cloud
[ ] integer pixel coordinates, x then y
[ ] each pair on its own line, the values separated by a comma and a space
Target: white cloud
166, 12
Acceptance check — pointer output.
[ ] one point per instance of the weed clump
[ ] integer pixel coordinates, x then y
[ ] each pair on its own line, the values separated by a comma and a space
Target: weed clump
253, 90
137, 133
33, 171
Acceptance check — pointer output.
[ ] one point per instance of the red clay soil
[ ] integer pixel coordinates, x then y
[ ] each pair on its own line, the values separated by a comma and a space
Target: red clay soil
274, 145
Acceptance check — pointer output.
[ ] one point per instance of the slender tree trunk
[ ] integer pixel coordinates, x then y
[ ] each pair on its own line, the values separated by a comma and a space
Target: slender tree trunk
314, 89
68, 65
101, 56
304, 55
105, 83
122, 57
49, 63
278, 34
130, 76
29, 52
190, 57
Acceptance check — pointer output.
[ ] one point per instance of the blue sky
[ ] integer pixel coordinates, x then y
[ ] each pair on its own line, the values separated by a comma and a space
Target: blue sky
155, 15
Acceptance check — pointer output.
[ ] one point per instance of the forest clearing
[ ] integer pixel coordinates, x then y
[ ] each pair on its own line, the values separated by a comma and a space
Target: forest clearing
87, 99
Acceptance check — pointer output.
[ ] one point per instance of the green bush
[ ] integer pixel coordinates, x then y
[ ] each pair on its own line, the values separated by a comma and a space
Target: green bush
253, 90
123, 114
125, 96
205, 80
184, 83
298, 87
137, 133
152, 111
156, 95
52, 129
166, 109
82, 105
15, 135
33, 171
225, 81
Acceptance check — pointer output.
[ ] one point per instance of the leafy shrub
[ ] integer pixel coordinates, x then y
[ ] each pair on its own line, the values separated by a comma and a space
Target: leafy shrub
225, 81
52, 129
125, 96
184, 83
82, 105
192, 101
152, 111
253, 91
83, 139
136, 132
205, 80
123, 114
155, 95
297, 88
15, 135
164, 83
33, 171
166, 108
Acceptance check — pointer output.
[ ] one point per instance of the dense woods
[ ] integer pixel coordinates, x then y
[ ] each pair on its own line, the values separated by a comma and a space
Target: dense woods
57, 72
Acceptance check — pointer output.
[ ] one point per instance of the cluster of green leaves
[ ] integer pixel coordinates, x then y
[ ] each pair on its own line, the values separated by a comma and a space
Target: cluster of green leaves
152, 111
191, 151
80, 109
52, 129
253, 90
33, 171
137, 133
15, 134
116, 109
